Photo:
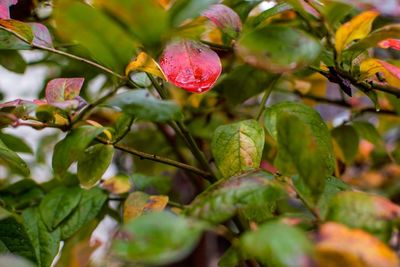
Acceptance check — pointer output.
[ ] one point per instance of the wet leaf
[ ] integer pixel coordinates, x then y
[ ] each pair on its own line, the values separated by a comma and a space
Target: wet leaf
277, 244
278, 48
357, 28
190, 65
371, 213
94, 163
341, 246
142, 105
139, 203
224, 18
255, 194
372, 66
157, 238
145, 63
238, 147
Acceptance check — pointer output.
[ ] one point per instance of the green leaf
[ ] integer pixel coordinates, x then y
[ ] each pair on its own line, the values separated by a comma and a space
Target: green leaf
277, 244
14, 236
278, 48
304, 143
238, 147
149, 24
230, 258
157, 238
11, 159
368, 132
20, 29
89, 206
9, 41
142, 105
188, 9
58, 204
99, 38
94, 163
369, 212
255, 194
348, 139
46, 244
242, 83
12, 60
72, 147
18, 144
335, 12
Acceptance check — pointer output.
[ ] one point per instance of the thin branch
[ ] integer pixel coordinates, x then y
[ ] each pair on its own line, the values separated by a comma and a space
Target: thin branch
181, 129
153, 157
81, 59
266, 95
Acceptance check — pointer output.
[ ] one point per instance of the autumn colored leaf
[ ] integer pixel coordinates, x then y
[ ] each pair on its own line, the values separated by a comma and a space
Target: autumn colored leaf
64, 93
143, 62
390, 43
357, 28
41, 34
191, 65
224, 18
372, 66
4, 8
118, 184
341, 246
20, 29
139, 203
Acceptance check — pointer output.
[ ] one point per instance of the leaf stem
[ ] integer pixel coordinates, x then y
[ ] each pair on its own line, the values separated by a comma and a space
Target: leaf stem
266, 95
153, 157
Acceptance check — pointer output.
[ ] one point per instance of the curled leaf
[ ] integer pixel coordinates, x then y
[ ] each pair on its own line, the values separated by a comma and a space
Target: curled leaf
4, 8
64, 93
341, 246
390, 43
372, 66
145, 63
224, 18
191, 65
357, 28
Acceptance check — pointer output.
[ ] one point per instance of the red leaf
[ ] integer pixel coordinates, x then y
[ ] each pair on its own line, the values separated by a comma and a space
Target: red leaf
41, 34
62, 89
4, 8
191, 65
390, 43
224, 18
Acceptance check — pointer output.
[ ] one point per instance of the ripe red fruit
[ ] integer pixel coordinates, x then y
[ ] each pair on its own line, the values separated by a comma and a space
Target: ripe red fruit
190, 65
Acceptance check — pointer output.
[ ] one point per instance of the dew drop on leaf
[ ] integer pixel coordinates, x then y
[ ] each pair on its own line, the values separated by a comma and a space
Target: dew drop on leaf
191, 65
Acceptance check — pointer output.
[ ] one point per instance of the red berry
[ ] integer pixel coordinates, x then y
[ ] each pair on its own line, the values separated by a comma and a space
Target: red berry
190, 65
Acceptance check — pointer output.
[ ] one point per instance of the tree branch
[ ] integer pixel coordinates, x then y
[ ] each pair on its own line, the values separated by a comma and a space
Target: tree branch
153, 157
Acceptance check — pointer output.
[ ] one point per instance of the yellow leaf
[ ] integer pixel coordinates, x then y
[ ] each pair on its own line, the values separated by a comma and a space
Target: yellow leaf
138, 203
340, 246
390, 72
118, 184
357, 28
166, 4
145, 63
98, 125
